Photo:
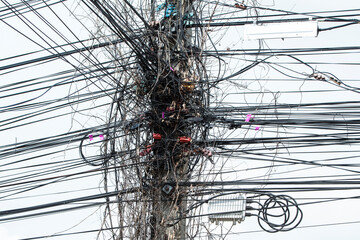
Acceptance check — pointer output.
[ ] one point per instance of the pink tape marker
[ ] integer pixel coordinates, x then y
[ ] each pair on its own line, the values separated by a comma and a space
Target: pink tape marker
101, 137
91, 137
163, 115
248, 117
257, 128
171, 68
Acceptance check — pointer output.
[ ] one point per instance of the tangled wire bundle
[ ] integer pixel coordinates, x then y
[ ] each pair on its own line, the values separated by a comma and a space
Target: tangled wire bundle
279, 213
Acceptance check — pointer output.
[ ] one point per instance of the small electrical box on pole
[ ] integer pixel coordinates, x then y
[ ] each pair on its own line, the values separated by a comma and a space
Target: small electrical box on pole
228, 208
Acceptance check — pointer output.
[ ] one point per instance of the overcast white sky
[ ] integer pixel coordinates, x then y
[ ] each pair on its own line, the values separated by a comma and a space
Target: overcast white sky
13, 43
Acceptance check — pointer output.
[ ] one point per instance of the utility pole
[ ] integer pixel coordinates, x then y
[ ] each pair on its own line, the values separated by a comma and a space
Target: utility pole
171, 137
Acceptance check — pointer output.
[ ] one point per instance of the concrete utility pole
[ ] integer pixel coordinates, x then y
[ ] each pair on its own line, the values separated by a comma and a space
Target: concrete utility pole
172, 138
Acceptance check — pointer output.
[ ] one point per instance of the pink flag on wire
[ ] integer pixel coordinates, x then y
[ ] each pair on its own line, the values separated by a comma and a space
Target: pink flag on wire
248, 117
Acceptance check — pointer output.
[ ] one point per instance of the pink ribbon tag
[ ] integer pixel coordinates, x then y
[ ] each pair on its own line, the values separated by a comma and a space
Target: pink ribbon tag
163, 115
91, 137
257, 128
248, 117
101, 137
171, 68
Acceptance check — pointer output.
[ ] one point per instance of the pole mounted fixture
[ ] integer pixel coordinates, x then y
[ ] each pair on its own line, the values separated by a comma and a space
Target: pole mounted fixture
281, 30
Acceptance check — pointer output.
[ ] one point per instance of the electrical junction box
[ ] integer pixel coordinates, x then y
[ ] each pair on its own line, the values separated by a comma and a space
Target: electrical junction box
228, 208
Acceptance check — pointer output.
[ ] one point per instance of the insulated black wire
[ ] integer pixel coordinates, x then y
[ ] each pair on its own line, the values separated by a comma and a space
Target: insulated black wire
73, 233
